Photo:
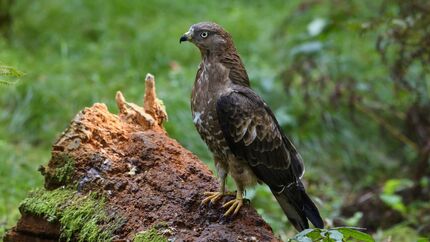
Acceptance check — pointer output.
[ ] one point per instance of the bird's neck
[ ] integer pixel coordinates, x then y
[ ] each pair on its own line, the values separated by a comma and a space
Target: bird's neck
214, 55
230, 59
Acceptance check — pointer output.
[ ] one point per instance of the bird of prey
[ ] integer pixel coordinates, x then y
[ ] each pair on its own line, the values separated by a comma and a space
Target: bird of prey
242, 132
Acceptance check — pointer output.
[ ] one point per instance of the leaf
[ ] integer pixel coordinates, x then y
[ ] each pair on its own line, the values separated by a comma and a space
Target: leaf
400, 23
315, 234
304, 239
358, 235
308, 235
307, 48
317, 26
423, 240
335, 235
3, 82
353, 221
393, 185
10, 72
332, 235
304, 232
394, 201
391, 199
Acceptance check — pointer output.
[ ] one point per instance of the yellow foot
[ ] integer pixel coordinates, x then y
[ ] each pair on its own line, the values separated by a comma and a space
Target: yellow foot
233, 206
213, 197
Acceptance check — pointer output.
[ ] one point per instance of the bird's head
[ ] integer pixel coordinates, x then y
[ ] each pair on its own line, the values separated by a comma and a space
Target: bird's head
208, 37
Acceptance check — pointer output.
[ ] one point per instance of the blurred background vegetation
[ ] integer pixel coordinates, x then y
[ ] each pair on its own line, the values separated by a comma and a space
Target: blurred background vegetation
348, 80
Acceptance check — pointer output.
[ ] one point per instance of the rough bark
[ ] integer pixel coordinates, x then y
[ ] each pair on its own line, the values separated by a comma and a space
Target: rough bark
148, 179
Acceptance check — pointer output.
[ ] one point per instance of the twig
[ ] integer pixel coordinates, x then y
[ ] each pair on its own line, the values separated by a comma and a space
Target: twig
391, 129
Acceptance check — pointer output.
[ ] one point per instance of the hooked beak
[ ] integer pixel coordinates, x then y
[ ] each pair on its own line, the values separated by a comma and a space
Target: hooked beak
185, 37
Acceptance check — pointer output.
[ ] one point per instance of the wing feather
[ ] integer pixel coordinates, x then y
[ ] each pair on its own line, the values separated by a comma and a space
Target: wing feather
253, 134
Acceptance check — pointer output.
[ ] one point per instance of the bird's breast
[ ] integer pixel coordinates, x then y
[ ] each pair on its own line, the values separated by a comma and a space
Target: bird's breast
208, 87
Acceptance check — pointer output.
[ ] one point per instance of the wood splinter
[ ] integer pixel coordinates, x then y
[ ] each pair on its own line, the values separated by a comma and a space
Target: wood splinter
153, 111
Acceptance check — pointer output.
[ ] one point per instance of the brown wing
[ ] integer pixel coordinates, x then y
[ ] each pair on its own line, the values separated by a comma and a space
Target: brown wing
237, 72
253, 134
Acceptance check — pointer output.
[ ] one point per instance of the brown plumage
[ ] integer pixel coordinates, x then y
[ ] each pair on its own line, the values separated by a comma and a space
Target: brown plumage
241, 131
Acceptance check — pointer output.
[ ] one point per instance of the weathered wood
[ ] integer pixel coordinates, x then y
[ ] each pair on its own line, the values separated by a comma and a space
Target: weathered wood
148, 179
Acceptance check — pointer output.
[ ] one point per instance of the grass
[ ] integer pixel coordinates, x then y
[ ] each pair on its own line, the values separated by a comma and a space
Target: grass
18, 175
75, 53
106, 47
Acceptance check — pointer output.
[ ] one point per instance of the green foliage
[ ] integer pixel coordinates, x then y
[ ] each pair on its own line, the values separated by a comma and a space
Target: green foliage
423, 240
18, 175
9, 71
332, 235
101, 48
399, 232
81, 216
403, 44
314, 62
389, 195
150, 235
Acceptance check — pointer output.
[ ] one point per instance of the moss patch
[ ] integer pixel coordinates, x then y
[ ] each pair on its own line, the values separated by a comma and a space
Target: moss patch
149, 236
83, 217
59, 172
65, 173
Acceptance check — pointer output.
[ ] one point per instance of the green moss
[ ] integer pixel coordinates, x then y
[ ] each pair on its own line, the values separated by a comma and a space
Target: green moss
149, 236
59, 172
46, 203
81, 216
64, 169
64, 174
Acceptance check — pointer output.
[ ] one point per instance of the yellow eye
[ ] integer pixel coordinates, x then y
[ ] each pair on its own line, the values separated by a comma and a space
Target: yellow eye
204, 34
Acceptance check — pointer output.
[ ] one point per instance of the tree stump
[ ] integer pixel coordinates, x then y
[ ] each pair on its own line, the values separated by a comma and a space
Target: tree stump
121, 178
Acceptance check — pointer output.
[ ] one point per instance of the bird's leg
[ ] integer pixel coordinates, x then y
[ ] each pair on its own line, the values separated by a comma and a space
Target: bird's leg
213, 197
235, 204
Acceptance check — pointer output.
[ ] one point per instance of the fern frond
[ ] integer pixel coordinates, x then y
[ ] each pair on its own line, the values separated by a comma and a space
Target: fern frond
8, 83
9, 71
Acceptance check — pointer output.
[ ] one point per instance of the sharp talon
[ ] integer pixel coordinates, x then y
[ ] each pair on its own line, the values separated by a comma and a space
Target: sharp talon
237, 209
228, 203
205, 200
212, 197
234, 206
